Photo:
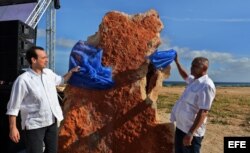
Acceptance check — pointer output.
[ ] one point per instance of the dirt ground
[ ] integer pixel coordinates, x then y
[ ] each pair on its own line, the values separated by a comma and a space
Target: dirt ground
219, 90
213, 140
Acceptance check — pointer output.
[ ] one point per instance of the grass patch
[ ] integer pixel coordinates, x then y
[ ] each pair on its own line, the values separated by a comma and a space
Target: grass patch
219, 121
226, 108
167, 102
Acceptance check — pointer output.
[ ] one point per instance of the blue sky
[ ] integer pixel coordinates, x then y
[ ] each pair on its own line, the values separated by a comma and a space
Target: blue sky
216, 29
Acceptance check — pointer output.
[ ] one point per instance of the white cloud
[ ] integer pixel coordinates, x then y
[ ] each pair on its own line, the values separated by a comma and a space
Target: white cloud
232, 20
62, 61
64, 42
224, 66
60, 42
165, 44
41, 33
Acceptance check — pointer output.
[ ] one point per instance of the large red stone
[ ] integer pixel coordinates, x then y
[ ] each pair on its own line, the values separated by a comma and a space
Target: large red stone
123, 118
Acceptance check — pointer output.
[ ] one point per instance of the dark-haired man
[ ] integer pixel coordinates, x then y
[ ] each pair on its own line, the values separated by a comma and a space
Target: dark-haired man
190, 111
34, 95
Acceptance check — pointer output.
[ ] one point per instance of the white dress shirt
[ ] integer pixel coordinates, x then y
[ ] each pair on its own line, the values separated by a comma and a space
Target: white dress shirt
35, 96
199, 94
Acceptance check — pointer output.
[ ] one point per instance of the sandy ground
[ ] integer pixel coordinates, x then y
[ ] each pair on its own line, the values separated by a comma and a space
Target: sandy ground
213, 140
219, 90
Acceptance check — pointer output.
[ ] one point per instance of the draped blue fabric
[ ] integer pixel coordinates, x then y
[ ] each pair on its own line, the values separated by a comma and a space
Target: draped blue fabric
92, 74
161, 59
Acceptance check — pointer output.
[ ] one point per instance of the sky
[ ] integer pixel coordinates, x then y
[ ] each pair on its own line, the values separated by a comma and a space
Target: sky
216, 29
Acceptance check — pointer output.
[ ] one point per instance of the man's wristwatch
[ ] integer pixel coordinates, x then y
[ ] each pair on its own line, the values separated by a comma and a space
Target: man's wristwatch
190, 134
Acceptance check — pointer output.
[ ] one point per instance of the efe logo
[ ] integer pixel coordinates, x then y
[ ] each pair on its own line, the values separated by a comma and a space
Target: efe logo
236, 144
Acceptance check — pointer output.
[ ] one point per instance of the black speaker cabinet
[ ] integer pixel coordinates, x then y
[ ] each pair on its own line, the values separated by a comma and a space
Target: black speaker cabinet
7, 146
4, 139
13, 2
15, 38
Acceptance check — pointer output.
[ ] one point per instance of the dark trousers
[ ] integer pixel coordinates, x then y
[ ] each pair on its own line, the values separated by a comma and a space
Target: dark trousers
34, 139
180, 148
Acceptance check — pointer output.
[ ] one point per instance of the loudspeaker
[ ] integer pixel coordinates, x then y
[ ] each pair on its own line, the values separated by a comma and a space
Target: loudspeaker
16, 28
7, 146
15, 38
57, 4
4, 126
13, 2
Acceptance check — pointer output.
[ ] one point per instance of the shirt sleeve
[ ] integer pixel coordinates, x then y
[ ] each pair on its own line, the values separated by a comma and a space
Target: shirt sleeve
189, 79
206, 98
59, 80
18, 92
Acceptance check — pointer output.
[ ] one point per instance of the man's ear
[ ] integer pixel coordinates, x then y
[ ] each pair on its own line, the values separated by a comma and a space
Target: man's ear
205, 67
33, 60
204, 70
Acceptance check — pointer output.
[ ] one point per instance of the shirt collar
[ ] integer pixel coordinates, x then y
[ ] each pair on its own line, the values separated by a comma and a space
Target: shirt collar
34, 73
201, 79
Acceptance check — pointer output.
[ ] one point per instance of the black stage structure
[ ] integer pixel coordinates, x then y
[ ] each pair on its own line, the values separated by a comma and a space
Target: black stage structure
14, 2
15, 38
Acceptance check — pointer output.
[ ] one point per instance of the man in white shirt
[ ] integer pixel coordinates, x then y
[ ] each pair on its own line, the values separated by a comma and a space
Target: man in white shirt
191, 110
34, 95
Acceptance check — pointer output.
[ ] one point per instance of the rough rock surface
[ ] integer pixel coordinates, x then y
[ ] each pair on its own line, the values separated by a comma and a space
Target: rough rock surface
123, 118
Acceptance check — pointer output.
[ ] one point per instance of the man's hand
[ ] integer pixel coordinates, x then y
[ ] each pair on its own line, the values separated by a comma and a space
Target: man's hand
187, 140
14, 135
75, 69
69, 74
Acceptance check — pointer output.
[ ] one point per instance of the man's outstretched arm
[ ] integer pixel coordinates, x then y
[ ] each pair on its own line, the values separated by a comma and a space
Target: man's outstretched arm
181, 70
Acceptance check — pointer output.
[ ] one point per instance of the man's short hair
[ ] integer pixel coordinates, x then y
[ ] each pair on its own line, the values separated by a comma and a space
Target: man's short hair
203, 61
31, 52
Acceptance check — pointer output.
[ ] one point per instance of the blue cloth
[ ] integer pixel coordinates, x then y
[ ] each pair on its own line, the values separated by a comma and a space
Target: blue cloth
161, 59
92, 74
